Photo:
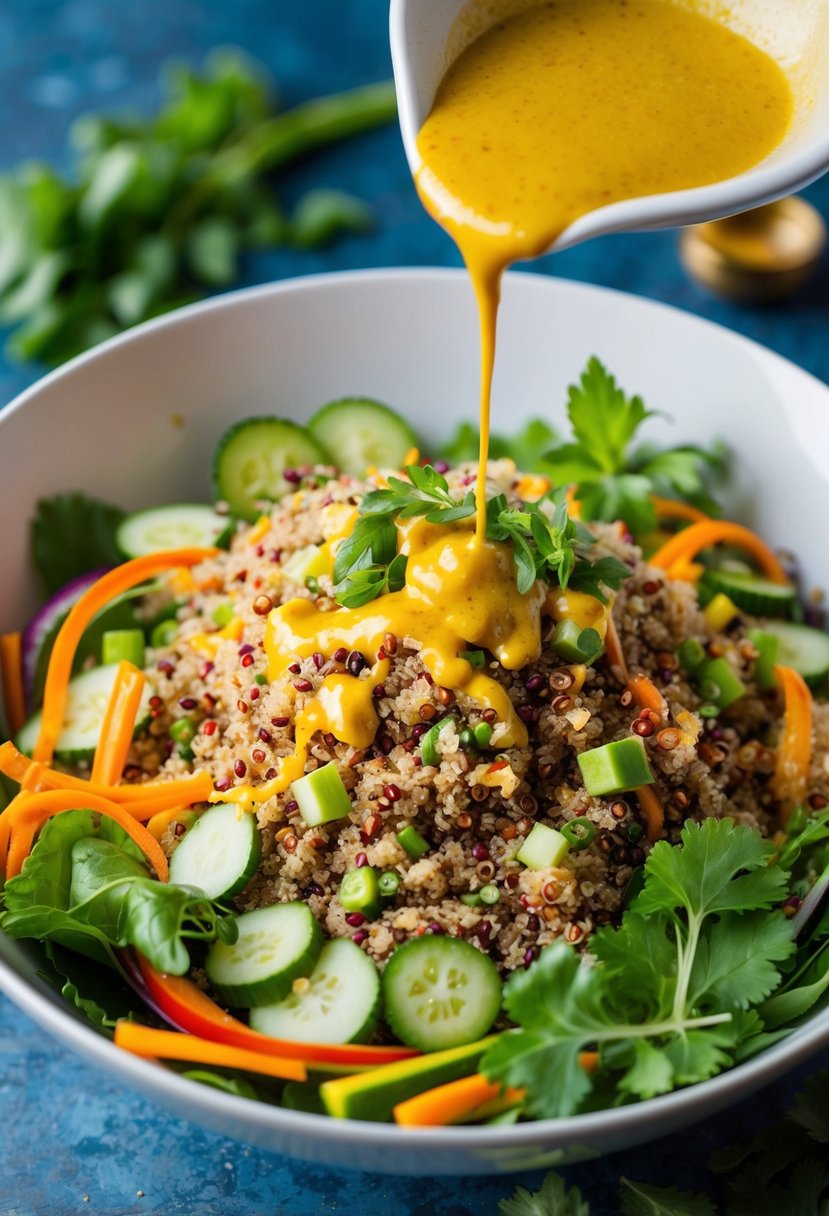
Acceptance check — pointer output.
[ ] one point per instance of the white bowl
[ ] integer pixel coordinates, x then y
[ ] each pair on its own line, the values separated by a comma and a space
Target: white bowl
136, 421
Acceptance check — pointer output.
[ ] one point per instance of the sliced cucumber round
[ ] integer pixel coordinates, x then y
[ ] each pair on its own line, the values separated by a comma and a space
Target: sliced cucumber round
359, 432
751, 592
180, 526
275, 946
220, 852
251, 458
340, 1002
86, 702
440, 992
803, 648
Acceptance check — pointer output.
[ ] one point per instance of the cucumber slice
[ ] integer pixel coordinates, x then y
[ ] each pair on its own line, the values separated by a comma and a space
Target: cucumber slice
182, 526
339, 1004
359, 432
220, 852
275, 946
252, 456
751, 592
440, 992
803, 648
86, 701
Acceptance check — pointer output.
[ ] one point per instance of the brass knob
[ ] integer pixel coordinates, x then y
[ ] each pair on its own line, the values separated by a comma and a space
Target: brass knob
759, 256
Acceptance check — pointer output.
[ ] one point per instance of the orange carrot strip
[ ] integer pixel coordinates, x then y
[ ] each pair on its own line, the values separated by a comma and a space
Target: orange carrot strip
118, 725
615, 654
450, 1103
142, 801
6, 821
193, 1011
691, 541
790, 780
646, 694
652, 809
11, 676
669, 508
113, 583
25, 820
171, 1045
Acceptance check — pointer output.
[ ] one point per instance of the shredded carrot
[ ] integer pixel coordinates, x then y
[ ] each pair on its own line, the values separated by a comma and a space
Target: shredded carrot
652, 809
142, 801
451, 1103
678, 552
669, 508
589, 1060
646, 694
118, 725
790, 780
613, 646
11, 676
193, 1011
170, 1045
113, 583
26, 817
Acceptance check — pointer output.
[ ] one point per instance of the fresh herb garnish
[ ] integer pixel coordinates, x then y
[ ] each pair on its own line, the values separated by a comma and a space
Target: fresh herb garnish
612, 482
547, 544
159, 210
525, 449
669, 1001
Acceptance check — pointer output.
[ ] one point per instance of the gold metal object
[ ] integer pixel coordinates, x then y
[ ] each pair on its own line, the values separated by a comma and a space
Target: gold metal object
759, 256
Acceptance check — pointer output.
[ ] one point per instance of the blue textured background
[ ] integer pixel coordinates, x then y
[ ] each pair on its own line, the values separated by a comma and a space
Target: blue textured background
69, 1133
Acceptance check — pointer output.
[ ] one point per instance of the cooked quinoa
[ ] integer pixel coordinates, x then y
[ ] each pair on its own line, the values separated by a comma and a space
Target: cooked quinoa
474, 818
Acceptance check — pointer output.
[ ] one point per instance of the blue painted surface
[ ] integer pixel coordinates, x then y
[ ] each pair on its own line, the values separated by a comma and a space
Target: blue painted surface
68, 1132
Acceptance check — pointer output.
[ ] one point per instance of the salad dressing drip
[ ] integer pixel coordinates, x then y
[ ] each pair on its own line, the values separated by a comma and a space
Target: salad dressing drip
559, 110
576, 104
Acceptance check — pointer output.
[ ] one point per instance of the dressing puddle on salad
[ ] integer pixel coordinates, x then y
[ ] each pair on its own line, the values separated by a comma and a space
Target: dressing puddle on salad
573, 105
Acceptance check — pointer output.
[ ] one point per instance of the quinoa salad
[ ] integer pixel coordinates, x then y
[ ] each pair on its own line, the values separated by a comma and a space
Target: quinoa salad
439, 818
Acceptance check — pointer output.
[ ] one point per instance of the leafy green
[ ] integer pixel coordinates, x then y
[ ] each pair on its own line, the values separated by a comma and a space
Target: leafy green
612, 481
97, 993
667, 1002
239, 1086
86, 887
158, 210
546, 543
554, 1199
524, 449
72, 534
641, 1200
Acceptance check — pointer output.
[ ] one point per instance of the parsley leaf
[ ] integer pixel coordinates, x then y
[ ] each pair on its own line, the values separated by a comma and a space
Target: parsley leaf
666, 1003
641, 1200
426, 493
554, 1199
524, 449
612, 481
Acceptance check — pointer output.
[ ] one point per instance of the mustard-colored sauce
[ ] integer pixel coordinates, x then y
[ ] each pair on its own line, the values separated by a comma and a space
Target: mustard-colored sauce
551, 114
576, 104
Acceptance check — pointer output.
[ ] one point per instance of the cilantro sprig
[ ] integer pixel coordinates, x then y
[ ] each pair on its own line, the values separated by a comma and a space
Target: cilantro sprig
672, 999
614, 480
547, 544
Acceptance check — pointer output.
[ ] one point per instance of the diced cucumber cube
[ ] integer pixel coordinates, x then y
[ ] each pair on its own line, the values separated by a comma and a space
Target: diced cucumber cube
411, 841
544, 847
565, 641
615, 767
321, 796
719, 683
123, 645
767, 646
360, 892
309, 562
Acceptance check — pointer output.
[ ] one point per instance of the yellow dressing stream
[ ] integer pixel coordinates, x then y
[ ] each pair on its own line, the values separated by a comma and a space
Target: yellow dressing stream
576, 104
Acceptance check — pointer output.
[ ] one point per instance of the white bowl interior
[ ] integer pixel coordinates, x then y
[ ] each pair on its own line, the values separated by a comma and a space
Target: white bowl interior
427, 36
137, 421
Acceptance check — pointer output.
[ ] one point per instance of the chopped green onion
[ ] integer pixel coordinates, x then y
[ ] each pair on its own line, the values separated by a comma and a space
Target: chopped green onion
483, 734
475, 658
223, 615
312, 585
691, 655
489, 894
472, 899
708, 711
467, 738
428, 744
411, 841
182, 730
360, 892
260, 678
389, 882
579, 833
123, 645
719, 683
163, 633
